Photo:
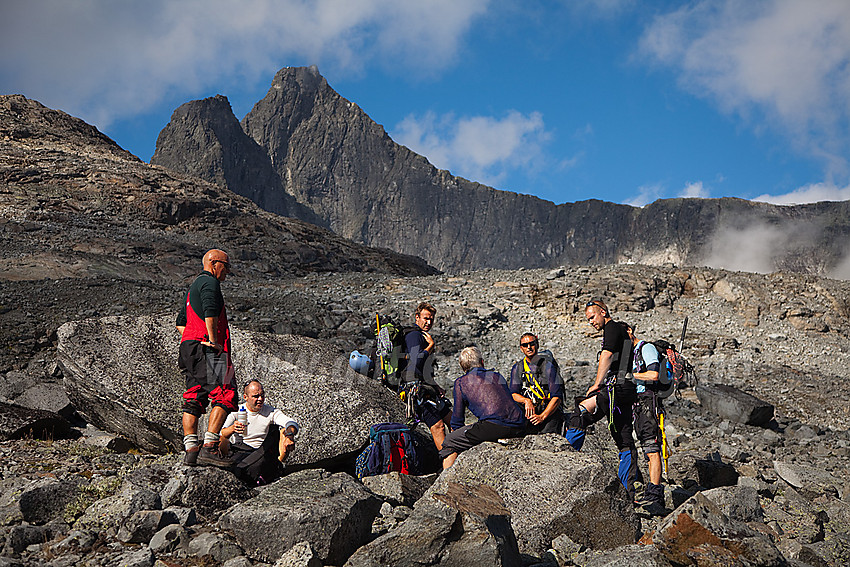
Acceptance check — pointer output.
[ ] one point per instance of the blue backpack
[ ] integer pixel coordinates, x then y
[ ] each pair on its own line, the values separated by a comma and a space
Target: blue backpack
390, 449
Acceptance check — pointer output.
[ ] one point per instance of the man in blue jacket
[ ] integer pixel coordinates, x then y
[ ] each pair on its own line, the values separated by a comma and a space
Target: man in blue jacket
485, 393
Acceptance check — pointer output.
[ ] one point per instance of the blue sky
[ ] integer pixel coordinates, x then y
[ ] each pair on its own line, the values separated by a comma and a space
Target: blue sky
618, 100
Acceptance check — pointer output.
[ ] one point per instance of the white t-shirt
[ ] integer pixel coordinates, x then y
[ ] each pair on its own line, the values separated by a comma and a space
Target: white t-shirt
258, 424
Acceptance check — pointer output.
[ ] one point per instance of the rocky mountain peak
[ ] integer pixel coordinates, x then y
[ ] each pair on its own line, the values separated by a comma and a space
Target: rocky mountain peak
337, 162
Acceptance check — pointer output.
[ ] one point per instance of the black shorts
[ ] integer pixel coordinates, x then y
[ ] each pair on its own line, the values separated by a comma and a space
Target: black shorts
469, 436
647, 427
433, 412
209, 378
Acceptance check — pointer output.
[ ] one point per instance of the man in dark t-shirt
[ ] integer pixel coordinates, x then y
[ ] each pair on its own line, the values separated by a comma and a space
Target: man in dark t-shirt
611, 395
432, 407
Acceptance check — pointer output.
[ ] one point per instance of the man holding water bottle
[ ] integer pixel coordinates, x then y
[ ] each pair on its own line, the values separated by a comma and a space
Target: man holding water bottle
259, 436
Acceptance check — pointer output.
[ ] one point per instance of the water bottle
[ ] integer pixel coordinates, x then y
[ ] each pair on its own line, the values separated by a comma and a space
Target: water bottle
242, 417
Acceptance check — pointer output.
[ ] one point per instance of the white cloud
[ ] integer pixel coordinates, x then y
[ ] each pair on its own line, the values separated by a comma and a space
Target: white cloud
103, 60
751, 249
842, 270
780, 63
695, 190
646, 194
813, 193
482, 148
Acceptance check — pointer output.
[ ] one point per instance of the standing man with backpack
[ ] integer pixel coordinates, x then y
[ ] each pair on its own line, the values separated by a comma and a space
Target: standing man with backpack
646, 368
536, 384
432, 407
610, 395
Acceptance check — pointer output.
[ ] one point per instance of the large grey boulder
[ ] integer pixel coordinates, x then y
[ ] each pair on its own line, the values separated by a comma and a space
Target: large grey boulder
122, 374
733, 404
332, 512
550, 490
460, 525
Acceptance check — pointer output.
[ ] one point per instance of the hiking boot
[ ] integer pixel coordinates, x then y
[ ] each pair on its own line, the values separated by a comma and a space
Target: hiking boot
210, 455
190, 456
652, 494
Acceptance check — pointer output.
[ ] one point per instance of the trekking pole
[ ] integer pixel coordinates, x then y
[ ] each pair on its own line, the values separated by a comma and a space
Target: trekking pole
682, 341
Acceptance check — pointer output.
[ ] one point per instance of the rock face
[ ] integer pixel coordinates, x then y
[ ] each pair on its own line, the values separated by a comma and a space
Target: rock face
549, 490
230, 158
333, 512
460, 525
333, 159
137, 393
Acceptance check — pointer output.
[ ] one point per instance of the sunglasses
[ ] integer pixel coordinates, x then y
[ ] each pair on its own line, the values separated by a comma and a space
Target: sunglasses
528, 345
226, 264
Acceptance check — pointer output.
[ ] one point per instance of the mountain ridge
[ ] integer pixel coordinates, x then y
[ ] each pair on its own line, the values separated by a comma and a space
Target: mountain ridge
335, 160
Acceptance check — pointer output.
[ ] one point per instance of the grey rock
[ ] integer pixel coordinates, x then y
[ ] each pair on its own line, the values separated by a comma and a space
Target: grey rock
141, 526
142, 557
215, 546
240, 561
811, 480
80, 541
17, 422
733, 404
832, 550
111, 512
306, 378
299, 555
739, 503
18, 538
186, 517
112, 442
574, 493
47, 396
332, 512
46, 499
400, 489
211, 490
629, 556
462, 525
693, 470
698, 532
169, 539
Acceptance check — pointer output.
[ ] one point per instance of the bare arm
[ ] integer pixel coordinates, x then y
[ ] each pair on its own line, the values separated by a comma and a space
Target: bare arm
605, 360
647, 376
526, 403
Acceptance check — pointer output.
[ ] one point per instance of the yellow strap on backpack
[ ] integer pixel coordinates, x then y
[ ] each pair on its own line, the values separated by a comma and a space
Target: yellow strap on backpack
533, 384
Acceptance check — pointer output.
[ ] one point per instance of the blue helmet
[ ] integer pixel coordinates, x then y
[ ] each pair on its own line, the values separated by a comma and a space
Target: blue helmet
359, 363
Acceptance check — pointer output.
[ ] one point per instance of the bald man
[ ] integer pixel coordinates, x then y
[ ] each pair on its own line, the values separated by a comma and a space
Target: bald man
205, 362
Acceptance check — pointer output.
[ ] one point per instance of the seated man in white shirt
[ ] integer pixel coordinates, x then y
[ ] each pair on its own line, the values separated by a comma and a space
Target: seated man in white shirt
263, 444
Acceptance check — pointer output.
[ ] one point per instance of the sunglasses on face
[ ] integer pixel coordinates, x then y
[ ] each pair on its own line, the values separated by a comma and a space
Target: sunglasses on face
528, 345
